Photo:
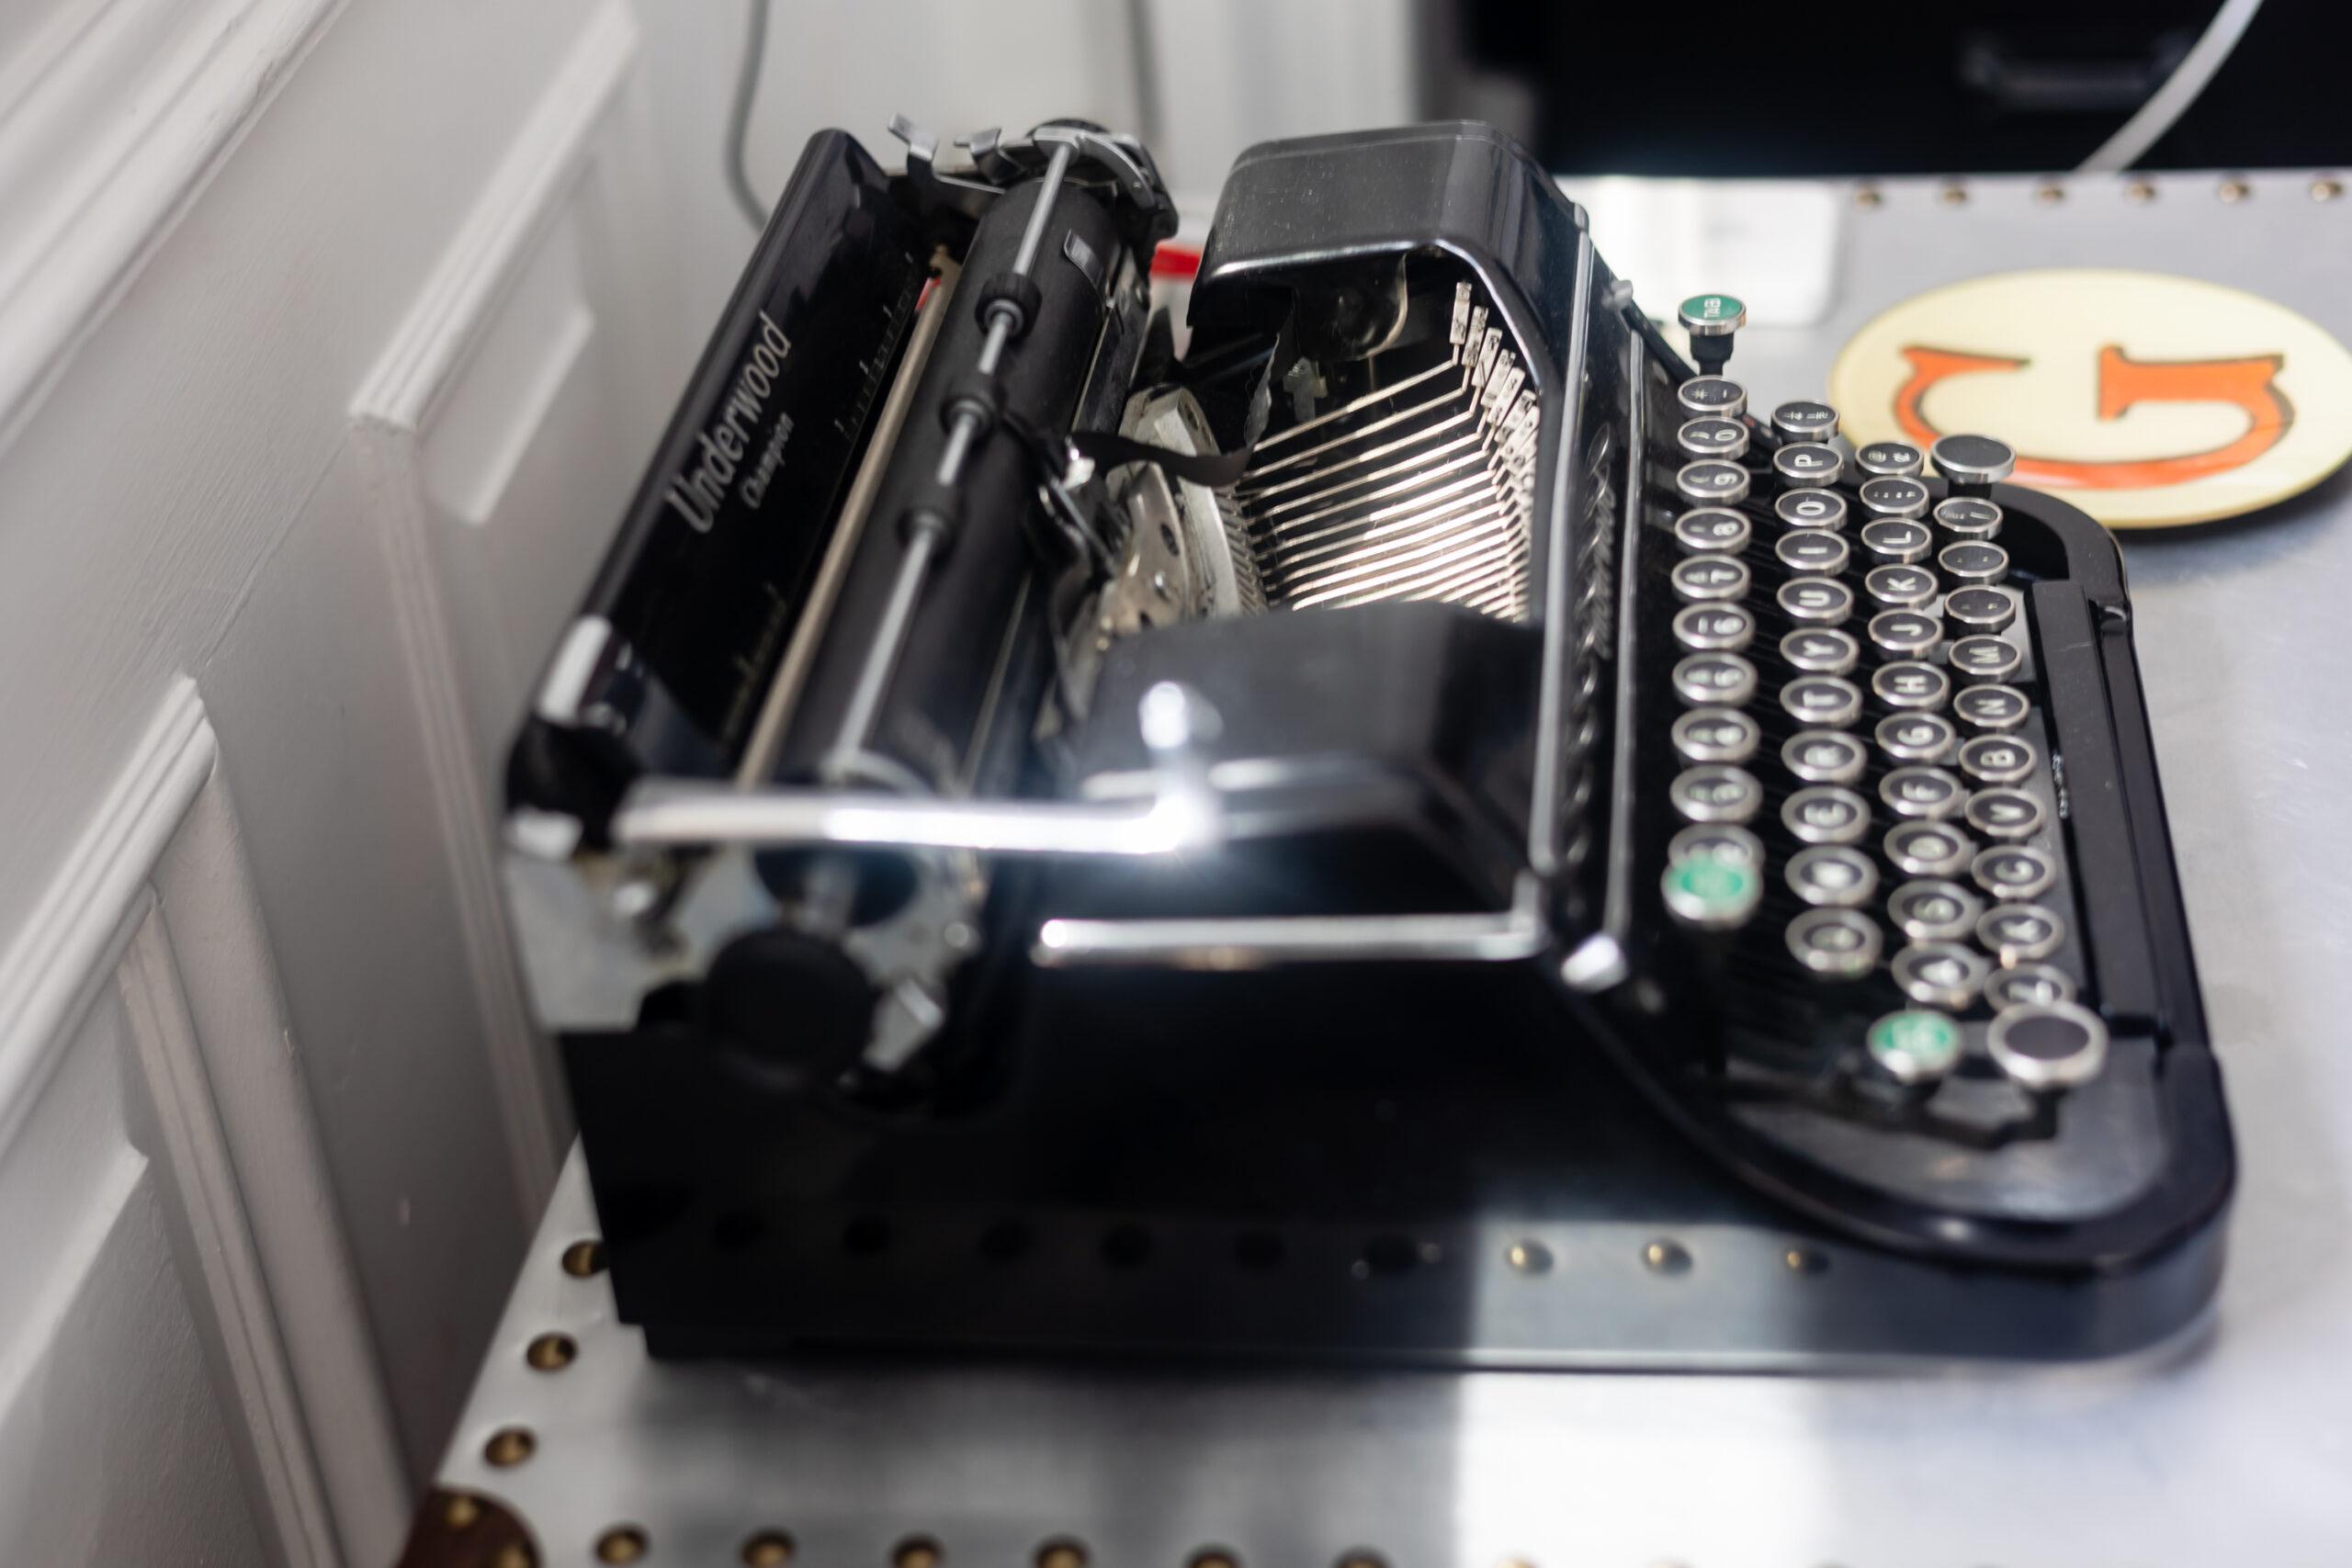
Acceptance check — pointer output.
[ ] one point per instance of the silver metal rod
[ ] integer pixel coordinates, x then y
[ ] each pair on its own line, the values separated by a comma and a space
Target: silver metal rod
693, 812
882, 654
1047, 194
1505, 937
800, 653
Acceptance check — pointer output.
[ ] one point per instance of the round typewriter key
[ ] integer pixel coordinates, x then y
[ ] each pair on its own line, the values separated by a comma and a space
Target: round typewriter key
1704, 395
2020, 933
1835, 944
1804, 466
1828, 702
1712, 438
1911, 685
1718, 839
1969, 517
1991, 709
1973, 461
1905, 634
1974, 564
1805, 422
1916, 737
1712, 482
1932, 909
1927, 848
1821, 650
1997, 759
1889, 459
1894, 498
2014, 872
1832, 876
2027, 985
1716, 793
1823, 814
1712, 529
1825, 756
1940, 974
1983, 659
1710, 892
2047, 1046
1816, 600
1927, 794
2008, 814
1716, 735
1818, 551
1705, 678
1705, 578
1901, 587
1714, 628
1897, 541
1915, 1046
1979, 612
1811, 508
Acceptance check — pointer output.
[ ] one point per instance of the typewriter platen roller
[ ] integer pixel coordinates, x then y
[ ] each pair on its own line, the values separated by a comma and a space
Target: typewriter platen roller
1425, 829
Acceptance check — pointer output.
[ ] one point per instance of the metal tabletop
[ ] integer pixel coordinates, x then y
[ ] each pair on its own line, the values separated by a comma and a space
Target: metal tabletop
2232, 1446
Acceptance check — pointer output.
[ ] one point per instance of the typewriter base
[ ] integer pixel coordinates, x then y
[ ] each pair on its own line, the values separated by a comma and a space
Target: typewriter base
1523, 1206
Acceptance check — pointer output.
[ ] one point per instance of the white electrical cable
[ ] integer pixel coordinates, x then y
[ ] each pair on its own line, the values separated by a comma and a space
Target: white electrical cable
2169, 102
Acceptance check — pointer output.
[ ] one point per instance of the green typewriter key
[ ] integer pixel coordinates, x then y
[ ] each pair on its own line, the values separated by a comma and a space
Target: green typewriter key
1915, 1047
1713, 892
1711, 319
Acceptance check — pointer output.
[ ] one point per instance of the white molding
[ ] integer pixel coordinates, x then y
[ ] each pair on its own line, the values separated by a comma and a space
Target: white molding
64, 951
390, 415
174, 85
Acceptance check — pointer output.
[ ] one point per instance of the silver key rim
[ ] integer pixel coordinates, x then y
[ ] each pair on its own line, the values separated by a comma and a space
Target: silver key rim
2029, 984
1923, 794
1912, 685
1711, 435
1982, 660
1900, 587
1973, 563
1992, 708
1716, 735
2048, 1047
1832, 876
1998, 758
1808, 464
1715, 678
1711, 579
1814, 552
1714, 628
1905, 634
1713, 530
1897, 541
1716, 792
1967, 460
1816, 600
2004, 814
1822, 702
1712, 482
1940, 974
1917, 1047
1835, 944
1934, 909
1703, 396
1827, 814
1894, 498
1890, 459
1977, 612
1811, 508
1915, 736
2015, 874
2021, 933
1928, 849
1825, 756
1725, 841
1969, 517
1821, 650
1805, 420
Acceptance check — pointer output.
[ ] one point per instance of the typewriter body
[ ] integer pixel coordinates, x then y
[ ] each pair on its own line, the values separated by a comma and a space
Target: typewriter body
1424, 829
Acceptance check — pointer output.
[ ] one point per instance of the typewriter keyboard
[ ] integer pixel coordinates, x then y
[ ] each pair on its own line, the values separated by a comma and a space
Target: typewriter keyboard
1865, 842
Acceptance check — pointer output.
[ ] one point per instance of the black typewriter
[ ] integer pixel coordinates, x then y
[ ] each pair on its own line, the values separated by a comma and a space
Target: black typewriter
1422, 829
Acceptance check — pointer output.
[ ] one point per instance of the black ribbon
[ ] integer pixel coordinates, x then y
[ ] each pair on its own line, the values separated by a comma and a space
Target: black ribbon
1214, 470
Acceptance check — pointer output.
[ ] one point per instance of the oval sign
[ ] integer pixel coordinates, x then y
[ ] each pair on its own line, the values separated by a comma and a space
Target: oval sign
2146, 400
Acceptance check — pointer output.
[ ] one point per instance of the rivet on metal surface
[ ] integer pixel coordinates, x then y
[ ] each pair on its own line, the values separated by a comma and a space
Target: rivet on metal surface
460, 1511
509, 1446
622, 1543
2140, 190
2050, 193
916, 1551
769, 1549
1061, 1554
1804, 1260
1953, 195
2234, 190
1867, 196
2327, 190
1666, 1257
1528, 1257
551, 1353
584, 1259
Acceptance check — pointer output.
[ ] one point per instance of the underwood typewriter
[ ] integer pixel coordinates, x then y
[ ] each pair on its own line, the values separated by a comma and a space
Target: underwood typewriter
1424, 828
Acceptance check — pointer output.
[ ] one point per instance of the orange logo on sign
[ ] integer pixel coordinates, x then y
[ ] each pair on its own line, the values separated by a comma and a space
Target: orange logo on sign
2124, 383
2146, 400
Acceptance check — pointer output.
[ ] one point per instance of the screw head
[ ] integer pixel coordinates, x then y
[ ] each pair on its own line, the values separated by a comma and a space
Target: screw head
769, 1549
1667, 1256
2327, 190
1528, 1257
1868, 196
584, 1259
2050, 193
622, 1543
917, 1552
1061, 1554
1953, 195
510, 1446
2140, 191
2234, 190
551, 1353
